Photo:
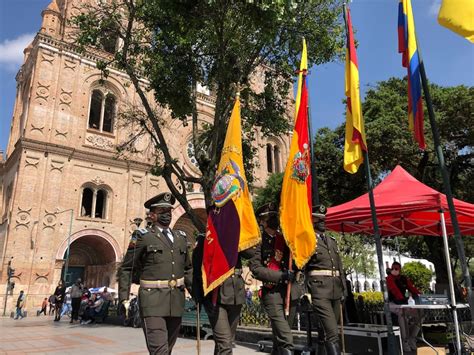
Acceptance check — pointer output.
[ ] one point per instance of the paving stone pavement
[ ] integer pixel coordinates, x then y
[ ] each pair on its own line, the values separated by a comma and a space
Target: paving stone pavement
41, 335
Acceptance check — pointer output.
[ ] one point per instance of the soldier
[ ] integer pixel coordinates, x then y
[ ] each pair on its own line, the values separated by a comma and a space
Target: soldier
164, 270
223, 305
270, 264
326, 283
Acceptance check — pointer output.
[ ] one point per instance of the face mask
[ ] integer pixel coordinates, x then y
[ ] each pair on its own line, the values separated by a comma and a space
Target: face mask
395, 272
320, 226
273, 223
164, 219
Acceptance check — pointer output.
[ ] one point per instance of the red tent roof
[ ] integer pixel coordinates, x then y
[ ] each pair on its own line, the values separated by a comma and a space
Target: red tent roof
404, 205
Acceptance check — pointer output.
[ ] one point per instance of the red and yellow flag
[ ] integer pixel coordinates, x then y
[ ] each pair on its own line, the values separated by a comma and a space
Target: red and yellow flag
231, 222
295, 201
355, 143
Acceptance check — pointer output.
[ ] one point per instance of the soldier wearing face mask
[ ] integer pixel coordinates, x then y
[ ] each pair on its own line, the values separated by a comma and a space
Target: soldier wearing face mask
326, 283
165, 269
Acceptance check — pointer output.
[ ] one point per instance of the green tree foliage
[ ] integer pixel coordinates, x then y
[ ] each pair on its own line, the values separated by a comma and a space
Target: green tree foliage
270, 192
357, 253
419, 274
223, 45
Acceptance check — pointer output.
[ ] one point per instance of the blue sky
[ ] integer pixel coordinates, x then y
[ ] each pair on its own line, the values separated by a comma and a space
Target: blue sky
449, 58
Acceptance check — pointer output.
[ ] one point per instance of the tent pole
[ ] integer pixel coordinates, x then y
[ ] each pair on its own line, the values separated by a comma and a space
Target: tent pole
447, 186
391, 341
450, 280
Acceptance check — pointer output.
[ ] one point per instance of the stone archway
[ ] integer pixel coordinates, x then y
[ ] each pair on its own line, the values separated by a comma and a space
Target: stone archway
93, 256
183, 222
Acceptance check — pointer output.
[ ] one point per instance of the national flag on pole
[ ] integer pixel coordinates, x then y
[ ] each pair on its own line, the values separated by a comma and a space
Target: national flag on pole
410, 60
355, 142
458, 16
295, 202
231, 222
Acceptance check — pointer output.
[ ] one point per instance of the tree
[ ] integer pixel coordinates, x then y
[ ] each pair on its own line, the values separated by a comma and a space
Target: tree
419, 274
357, 253
270, 192
390, 143
223, 45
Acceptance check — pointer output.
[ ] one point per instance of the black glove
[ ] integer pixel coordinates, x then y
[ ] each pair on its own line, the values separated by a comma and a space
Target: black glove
288, 276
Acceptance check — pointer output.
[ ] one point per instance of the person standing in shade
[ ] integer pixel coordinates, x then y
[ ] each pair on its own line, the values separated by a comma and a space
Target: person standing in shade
164, 271
76, 294
398, 286
270, 265
20, 302
326, 283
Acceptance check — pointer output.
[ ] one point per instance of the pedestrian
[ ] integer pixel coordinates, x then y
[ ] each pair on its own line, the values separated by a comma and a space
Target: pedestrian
52, 301
20, 303
159, 260
248, 296
67, 307
270, 265
326, 283
44, 305
400, 288
59, 293
76, 294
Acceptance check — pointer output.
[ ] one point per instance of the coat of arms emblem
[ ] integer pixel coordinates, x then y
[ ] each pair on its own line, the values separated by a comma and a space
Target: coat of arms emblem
300, 167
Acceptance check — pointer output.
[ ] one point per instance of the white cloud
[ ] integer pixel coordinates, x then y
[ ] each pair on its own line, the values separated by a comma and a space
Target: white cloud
434, 7
11, 51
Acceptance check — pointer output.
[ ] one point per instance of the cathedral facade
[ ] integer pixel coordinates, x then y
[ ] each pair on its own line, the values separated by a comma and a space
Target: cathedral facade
66, 197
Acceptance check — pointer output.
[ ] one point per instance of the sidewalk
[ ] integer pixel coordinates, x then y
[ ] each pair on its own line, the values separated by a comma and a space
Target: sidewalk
41, 335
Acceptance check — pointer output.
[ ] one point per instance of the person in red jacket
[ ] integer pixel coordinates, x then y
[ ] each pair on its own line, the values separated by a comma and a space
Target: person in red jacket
398, 288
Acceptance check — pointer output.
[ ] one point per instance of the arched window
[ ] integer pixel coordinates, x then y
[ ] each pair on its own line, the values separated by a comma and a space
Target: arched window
86, 205
269, 158
94, 203
276, 158
102, 111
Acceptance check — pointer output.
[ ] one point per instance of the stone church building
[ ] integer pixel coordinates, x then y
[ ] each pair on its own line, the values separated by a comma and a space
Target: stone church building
60, 179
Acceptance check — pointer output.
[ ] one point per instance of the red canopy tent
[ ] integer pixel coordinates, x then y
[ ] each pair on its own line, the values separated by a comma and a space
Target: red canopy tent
404, 206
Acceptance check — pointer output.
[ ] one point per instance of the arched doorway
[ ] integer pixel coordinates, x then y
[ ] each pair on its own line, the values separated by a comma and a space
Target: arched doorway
184, 223
93, 256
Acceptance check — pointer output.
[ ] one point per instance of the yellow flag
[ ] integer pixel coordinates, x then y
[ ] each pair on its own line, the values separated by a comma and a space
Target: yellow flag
458, 16
295, 202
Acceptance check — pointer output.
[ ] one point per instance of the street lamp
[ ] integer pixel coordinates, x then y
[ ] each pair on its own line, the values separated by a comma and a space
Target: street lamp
66, 267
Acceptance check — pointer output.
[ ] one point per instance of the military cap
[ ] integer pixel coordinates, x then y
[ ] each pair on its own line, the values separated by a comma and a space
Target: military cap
267, 209
164, 199
319, 211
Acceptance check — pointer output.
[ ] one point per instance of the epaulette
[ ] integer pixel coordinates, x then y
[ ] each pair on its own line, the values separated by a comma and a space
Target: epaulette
142, 231
180, 233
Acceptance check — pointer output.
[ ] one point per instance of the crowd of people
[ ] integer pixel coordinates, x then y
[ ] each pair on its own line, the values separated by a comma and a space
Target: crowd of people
76, 301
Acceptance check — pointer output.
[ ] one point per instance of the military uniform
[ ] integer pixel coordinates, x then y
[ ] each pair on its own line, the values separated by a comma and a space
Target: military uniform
164, 269
224, 315
326, 283
270, 265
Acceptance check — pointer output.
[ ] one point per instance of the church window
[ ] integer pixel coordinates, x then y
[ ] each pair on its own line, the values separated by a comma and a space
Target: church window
102, 112
269, 158
273, 158
86, 206
94, 202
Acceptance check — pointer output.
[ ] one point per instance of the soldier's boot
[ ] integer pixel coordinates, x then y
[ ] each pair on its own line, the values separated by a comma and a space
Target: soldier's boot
283, 351
332, 349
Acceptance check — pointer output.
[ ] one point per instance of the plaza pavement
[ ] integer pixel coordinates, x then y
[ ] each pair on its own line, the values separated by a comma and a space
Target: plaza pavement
41, 335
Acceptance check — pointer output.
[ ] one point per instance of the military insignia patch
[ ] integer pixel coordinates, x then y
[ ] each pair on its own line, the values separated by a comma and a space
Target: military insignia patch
228, 183
133, 241
300, 167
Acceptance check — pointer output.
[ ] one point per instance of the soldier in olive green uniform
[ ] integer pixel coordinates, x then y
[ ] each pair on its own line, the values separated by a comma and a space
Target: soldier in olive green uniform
326, 282
224, 315
270, 264
164, 270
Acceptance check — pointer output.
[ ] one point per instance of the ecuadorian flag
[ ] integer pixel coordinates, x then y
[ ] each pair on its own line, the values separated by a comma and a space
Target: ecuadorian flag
295, 202
355, 142
410, 60
231, 222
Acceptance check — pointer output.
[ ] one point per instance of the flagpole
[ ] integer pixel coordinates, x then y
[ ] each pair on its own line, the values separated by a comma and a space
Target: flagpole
314, 181
391, 340
447, 185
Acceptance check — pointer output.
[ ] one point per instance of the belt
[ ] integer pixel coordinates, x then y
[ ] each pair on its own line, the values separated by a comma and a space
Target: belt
162, 283
334, 273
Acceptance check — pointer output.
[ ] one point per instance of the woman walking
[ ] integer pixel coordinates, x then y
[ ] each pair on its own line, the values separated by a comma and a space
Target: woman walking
59, 294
